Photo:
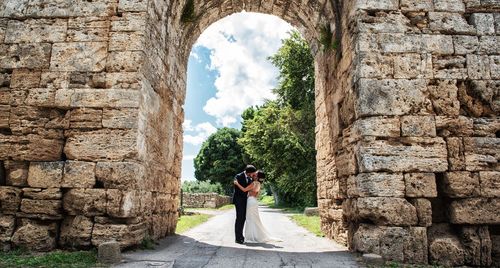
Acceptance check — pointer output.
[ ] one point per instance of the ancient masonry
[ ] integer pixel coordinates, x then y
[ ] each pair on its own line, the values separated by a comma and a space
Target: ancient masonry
408, 126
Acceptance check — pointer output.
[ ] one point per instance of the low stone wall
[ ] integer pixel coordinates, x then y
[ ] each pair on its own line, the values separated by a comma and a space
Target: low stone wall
208, 200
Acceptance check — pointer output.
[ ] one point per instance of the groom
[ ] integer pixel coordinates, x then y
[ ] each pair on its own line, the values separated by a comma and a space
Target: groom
240, 201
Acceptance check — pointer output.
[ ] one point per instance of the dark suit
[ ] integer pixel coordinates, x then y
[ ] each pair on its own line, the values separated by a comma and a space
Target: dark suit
240, 202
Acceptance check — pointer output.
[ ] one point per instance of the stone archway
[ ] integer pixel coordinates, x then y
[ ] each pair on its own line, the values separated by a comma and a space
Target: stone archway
91, 98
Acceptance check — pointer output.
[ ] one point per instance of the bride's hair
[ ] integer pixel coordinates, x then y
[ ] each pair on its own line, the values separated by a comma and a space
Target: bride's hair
261, 175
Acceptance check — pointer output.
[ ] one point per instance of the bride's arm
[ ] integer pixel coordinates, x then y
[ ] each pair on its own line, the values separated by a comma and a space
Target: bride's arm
244, 189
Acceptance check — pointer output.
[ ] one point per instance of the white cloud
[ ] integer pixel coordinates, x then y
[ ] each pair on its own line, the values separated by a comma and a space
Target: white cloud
240, 45
188, 157
187, 125
203, 131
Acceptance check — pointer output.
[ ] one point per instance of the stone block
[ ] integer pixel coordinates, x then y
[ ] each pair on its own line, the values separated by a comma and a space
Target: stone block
86, 118
25, 79
460, 184
129, 22
454, 126
68, 8
449, 5
482, 153
419, 5
378, 5
17, 173
475, 211
465, 44
49, 207
399, 97
420, 185
484, 23
122, 204
449, 67
418, 126
35, 56
34, 147
375, 126
346, 163
88, 29
42, 194
444, 247
102, 145
410, 66
124, 80
387, 211
434, 44
36, 236
45, 174
446, 22
109, 252
444, 97
87, 202
495, 67
98, 98
36, 30
490, 183
120, 118
7, 225
489, 45
486, 127
120, 175
456, 153
78, 174
79, 56
424, 211
10, 199
376, 185
5, 98
405, 155
76, 232
477, 245
374, 65
126, 41
126, 235
132, 5
478, 66
124, 61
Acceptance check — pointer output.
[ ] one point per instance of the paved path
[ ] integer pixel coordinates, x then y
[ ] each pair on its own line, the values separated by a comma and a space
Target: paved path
212, 245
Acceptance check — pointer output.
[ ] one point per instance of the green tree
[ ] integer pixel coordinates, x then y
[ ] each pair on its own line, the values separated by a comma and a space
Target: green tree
279, 135
220, 158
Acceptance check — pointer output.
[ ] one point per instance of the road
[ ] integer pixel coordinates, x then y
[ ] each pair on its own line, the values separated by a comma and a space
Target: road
212, 245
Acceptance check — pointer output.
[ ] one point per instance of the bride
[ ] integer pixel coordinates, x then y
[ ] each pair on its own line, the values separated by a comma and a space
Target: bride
254, 229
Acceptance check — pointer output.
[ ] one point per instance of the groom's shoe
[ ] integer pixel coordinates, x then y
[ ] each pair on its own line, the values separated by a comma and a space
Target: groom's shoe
240, 241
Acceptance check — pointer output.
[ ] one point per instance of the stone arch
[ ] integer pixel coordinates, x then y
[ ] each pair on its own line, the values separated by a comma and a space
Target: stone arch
91, 100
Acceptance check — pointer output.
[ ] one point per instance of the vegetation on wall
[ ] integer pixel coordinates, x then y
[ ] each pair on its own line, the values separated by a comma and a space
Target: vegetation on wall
188, 13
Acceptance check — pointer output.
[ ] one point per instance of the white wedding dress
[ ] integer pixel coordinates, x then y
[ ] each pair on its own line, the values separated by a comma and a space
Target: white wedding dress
255, 232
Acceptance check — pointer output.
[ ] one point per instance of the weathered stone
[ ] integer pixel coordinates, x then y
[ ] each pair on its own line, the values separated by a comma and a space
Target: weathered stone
444, 97
49, 207
401, 97
449, 5
87, 202
495, 67
478, 66
387, 211
346, 163
376, 184
7, 225
122, 118
124, 61
461, 184
450, 126
408, 155
478, 97
42, 194
486, 127
418, 126
475, 211
33, 147
419, 5
109, 252
446, 22
444, 248
36, 236
87, 118
420, 185
25, 55
102, 145
482, 153
424, 211
88, 29
489, 45
449, 67
122, 204
76, 232
79, 56
490, 183
36, 30
124, 80
484, 23
128, 22
120, 175
126, 41
465, 44
456, 156
78, 174
477, 245
25, 78
45, 174
413, 66
378, 5
126, 235
17, 173
97, 98
10, 199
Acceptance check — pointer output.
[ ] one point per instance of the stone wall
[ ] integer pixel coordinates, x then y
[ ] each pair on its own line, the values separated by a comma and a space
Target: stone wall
208, 200
407, 127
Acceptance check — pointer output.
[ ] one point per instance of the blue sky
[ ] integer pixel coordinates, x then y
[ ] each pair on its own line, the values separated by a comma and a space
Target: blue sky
228, 71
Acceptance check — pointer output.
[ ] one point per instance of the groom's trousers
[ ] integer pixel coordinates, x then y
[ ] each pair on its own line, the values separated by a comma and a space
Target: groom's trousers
241, 213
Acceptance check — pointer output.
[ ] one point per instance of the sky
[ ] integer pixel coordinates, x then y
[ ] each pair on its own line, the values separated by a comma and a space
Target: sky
228, 71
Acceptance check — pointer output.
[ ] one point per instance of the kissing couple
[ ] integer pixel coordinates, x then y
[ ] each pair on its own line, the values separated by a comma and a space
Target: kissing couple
247, 185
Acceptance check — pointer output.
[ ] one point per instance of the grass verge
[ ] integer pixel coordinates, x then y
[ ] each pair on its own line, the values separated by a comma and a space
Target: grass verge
187, 222
311, 223
22, 258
